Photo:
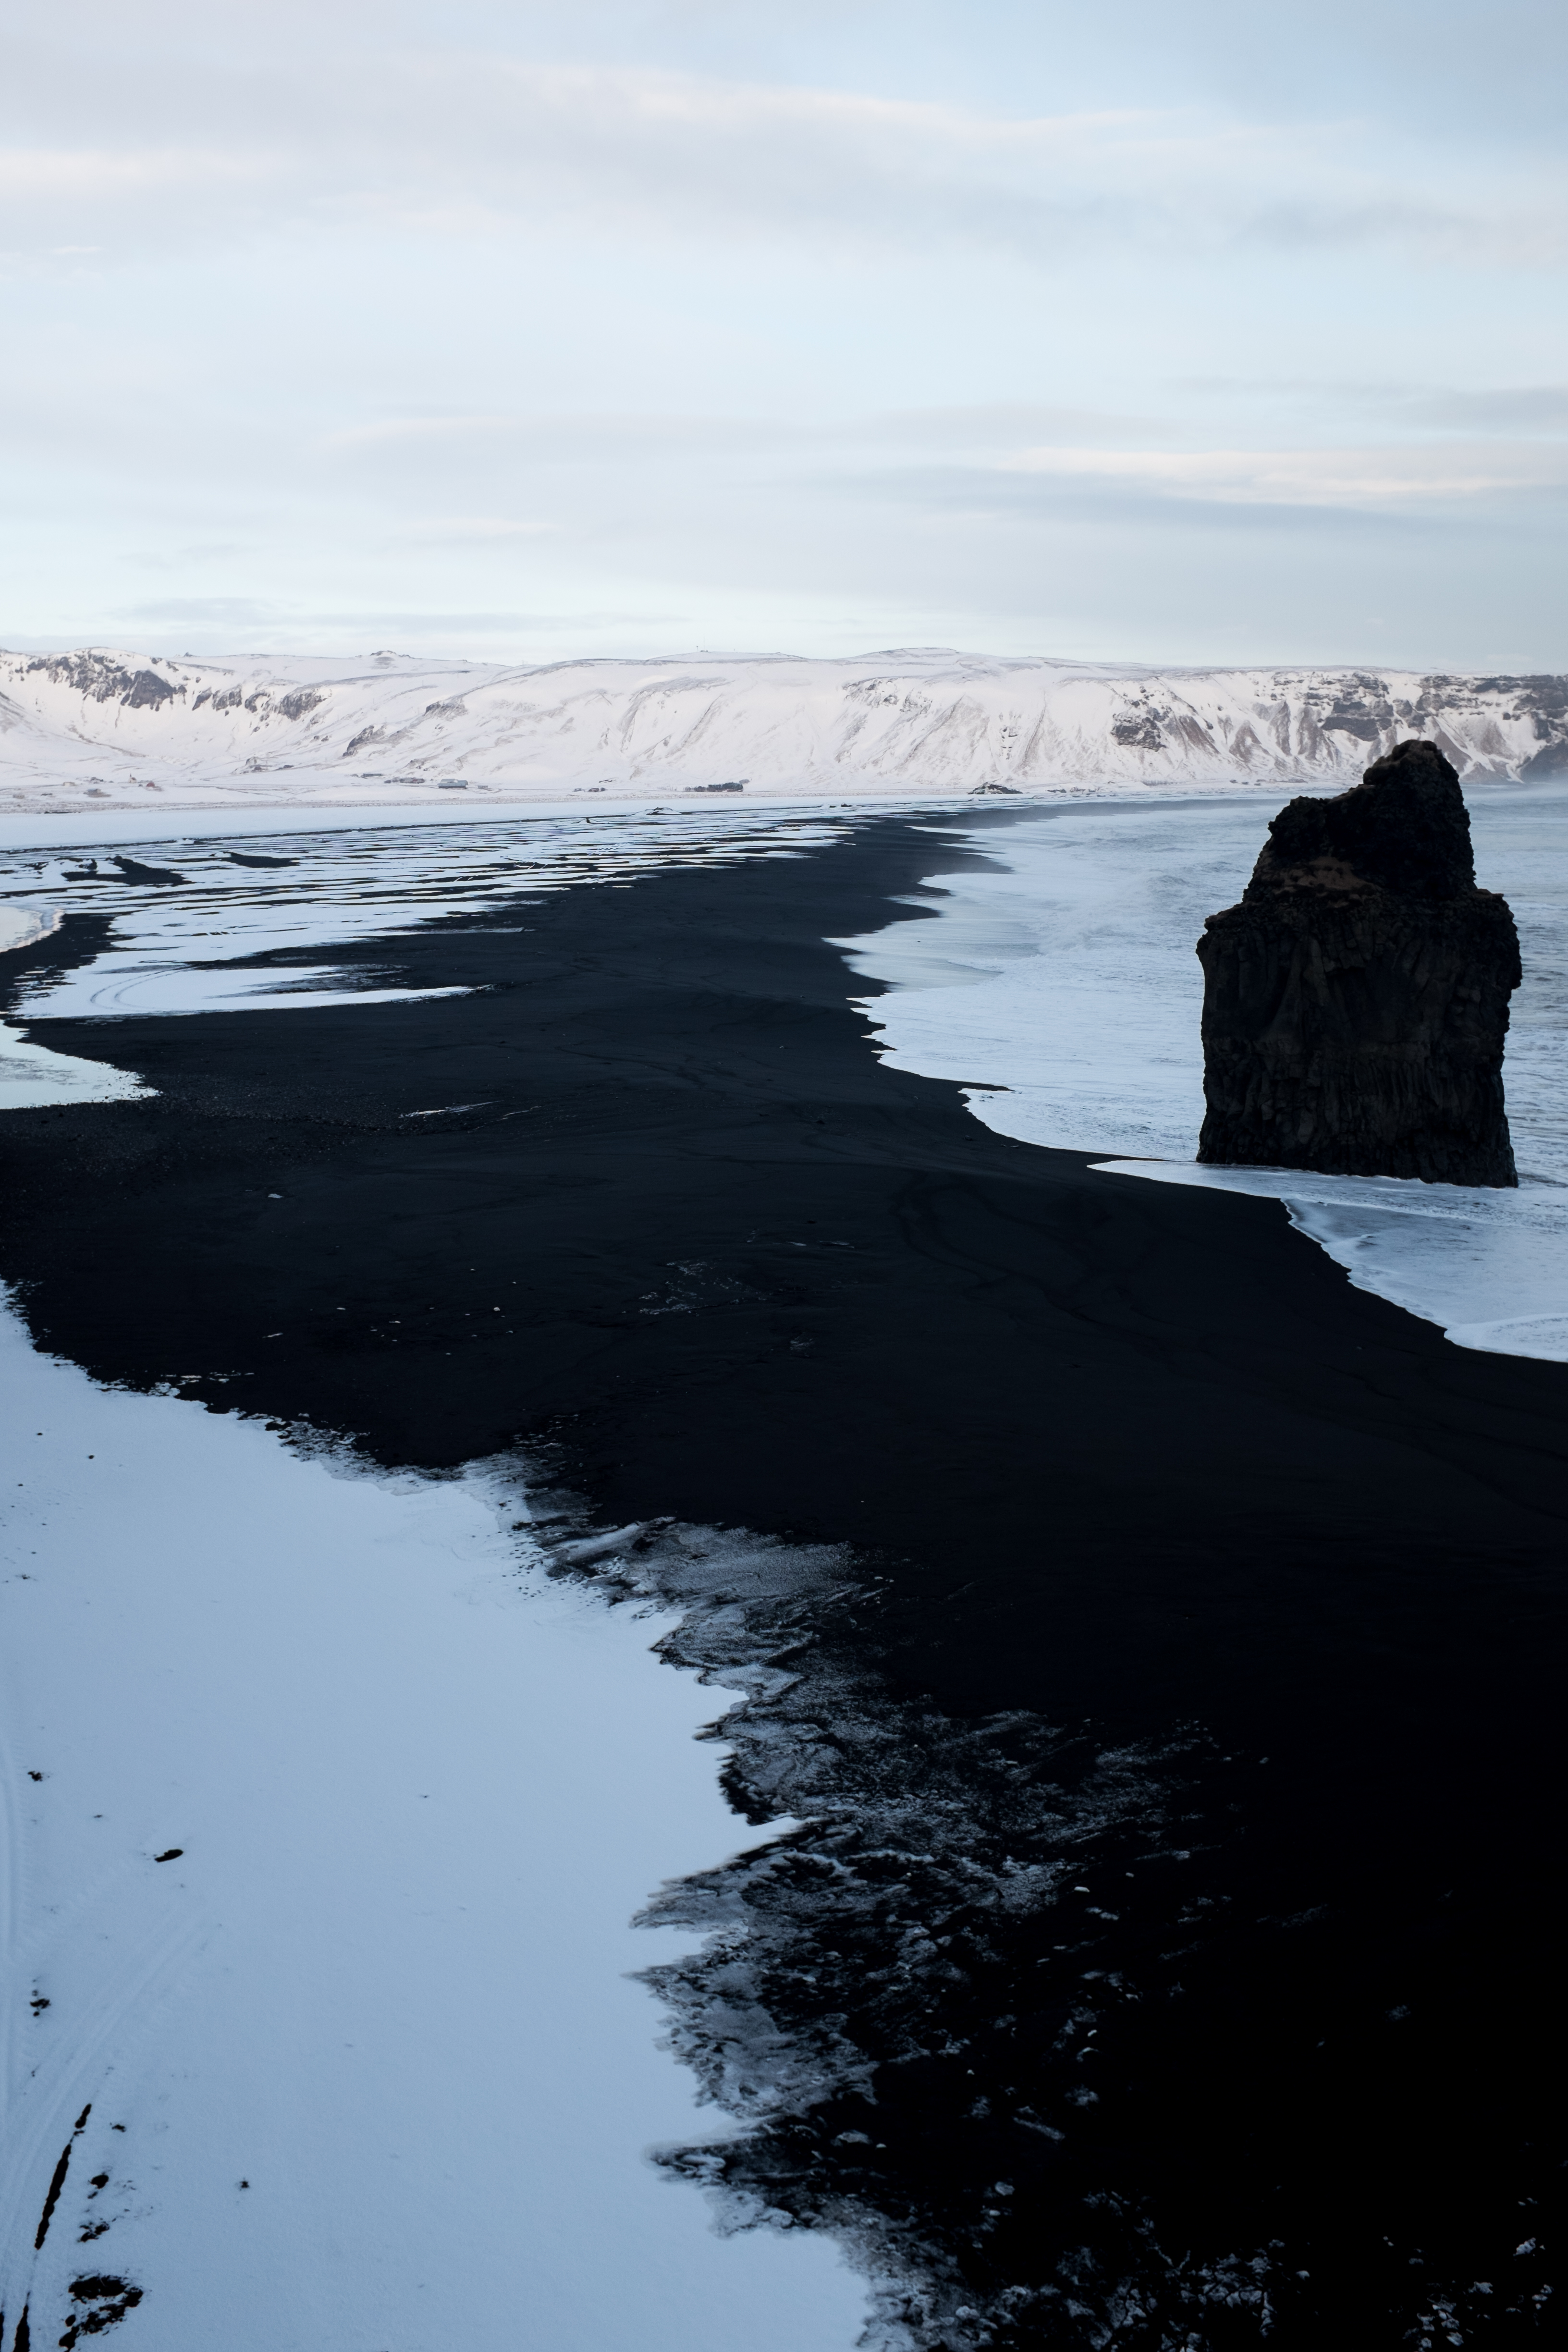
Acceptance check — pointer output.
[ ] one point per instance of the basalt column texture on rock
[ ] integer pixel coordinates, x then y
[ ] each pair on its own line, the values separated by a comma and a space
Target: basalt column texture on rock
1356, 1003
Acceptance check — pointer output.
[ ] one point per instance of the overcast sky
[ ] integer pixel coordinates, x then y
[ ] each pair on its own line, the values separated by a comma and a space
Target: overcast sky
1129, 329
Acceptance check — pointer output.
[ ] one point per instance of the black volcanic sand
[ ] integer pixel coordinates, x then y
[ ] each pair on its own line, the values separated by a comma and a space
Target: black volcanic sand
1133, 1457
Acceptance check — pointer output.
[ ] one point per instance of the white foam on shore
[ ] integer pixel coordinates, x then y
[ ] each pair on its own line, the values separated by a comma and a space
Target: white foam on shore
29, 1075
218, 934
1063, 987
147, 826
21, 926
418, 1792
1490, 1267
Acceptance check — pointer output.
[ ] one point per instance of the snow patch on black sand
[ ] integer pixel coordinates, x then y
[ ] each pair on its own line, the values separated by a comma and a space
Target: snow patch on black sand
327, 1814
30, 1074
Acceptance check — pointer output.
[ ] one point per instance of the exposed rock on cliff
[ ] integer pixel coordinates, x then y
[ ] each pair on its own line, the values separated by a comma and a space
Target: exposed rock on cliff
1356, 1001
924, 720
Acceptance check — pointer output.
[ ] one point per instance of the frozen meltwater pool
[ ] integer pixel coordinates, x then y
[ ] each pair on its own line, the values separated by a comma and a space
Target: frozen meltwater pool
1062, 987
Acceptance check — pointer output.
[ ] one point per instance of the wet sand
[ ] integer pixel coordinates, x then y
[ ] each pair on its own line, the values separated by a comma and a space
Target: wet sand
1129, 1458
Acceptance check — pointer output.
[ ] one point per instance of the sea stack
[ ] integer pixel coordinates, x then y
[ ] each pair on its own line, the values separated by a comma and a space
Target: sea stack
1356, 1003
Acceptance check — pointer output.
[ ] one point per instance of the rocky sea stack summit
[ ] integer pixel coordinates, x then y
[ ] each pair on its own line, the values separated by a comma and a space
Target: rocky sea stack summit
1356, 1003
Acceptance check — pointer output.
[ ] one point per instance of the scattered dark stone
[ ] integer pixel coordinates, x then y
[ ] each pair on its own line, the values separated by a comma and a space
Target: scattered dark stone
103, 2302
1356, 1003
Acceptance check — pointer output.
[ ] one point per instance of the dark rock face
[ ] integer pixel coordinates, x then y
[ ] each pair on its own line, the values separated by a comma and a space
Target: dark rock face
101, 679
1356, 1001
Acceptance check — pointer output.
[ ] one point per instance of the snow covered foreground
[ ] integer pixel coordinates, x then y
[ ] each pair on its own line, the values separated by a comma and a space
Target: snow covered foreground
326, 1816
92, 730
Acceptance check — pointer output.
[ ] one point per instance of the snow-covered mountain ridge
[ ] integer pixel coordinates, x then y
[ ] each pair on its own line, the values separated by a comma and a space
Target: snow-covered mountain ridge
271, 730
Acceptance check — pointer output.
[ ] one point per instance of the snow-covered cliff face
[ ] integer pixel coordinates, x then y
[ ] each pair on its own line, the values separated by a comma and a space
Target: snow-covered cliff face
389, 727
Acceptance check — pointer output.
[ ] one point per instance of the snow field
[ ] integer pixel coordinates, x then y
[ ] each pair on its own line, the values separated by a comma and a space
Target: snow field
408, 1794
119, 729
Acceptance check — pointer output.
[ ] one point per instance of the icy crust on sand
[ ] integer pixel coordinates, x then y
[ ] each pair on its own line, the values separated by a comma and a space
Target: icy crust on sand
1062, 985
326, 1816
928, 2001
204, 926
119, 727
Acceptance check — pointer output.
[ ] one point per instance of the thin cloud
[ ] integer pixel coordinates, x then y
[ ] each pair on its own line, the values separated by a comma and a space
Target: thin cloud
246, 612
587, 435
1136, 509
460, 146
43, 174
471, 530
1530, 408
629, 310
1317, 476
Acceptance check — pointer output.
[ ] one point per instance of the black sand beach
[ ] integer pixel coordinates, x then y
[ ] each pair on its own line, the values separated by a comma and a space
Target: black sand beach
1131, 1465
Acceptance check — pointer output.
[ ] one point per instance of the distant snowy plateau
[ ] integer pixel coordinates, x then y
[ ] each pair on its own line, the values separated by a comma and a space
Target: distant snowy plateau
263, 731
